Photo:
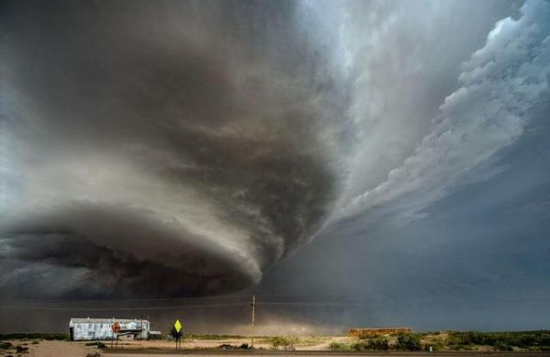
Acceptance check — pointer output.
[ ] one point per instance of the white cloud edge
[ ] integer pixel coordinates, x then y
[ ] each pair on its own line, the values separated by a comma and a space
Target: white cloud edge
503, 81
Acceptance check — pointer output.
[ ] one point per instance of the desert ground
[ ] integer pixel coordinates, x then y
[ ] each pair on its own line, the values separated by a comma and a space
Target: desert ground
309, 343
37, 348
437, 343
300, 346
316, 346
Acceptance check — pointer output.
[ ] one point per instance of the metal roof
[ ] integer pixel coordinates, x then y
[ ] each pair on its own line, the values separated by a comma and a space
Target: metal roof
88, 320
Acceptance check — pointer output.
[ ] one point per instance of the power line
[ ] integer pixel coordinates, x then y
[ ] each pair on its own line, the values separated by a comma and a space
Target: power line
123, 308
35, 304
127, 300
99, 300
23, 307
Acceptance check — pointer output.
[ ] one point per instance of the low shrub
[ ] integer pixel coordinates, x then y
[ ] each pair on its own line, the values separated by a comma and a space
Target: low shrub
336, 346
408, 342
533, 340
503, 347
5, 346
359, 346
35, 336
21, 349
372, 344
436, 345
97, 344
378, 344
286, 342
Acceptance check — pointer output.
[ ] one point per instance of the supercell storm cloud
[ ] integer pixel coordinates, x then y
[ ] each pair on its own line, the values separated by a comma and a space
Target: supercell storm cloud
181, 148
171, 149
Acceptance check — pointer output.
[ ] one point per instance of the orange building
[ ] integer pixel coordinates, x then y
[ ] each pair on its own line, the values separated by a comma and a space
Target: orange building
368, 332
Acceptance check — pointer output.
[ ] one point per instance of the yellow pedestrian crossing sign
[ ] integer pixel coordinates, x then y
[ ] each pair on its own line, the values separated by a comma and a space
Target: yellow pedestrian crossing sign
177, 325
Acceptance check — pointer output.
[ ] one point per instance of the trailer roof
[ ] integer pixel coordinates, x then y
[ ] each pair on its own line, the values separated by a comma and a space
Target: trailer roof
88, 320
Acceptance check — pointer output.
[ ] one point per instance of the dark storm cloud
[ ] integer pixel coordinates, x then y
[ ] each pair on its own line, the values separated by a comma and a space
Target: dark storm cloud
181, 139
178, 263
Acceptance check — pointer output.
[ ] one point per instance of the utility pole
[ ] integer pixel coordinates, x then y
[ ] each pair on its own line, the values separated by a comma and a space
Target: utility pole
253, 318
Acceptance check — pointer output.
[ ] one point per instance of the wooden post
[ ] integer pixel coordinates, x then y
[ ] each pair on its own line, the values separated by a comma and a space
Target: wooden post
253, 319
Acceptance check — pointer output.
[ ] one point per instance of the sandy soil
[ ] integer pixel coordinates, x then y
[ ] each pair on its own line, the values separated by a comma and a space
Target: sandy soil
79, 349
304, 343
311, 344
49, 349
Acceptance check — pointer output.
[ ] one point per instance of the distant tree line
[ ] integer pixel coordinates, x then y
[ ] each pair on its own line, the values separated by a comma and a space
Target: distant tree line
504, 341
453, 340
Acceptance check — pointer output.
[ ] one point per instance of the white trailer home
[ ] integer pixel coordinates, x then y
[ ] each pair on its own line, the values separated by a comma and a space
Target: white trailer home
85, 329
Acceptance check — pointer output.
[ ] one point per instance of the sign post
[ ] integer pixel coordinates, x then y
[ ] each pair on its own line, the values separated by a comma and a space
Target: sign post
177, 333
115, 328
